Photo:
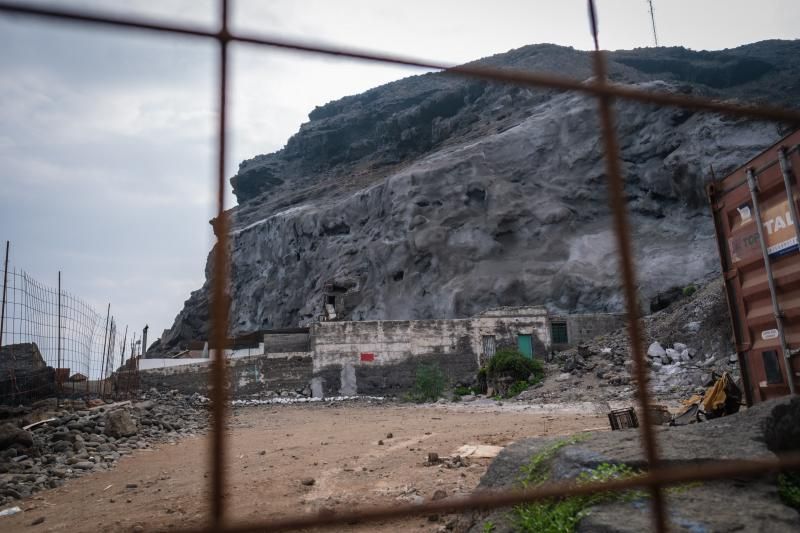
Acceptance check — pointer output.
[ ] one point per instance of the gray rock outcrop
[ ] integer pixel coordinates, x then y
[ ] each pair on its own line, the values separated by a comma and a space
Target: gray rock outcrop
726, 505
440, 196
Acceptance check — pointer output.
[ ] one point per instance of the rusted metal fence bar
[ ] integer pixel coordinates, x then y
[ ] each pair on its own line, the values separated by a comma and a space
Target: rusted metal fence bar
488, 500
616, 196
219, 297
513, 76
657, 476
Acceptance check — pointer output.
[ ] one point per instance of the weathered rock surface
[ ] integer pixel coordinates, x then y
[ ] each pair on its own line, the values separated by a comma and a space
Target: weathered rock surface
438, 196
120, 424
10, 435
736, 505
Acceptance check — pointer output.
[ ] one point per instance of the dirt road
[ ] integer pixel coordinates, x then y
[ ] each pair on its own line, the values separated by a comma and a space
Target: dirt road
345, 449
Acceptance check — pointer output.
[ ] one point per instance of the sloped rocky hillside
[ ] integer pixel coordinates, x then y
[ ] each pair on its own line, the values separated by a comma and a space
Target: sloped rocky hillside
439, 196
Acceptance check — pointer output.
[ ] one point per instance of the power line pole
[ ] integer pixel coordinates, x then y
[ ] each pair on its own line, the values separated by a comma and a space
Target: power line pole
653, 21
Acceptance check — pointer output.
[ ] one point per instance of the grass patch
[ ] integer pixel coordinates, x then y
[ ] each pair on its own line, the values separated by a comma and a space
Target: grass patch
789, 489
561, 515
429, 383
689, 290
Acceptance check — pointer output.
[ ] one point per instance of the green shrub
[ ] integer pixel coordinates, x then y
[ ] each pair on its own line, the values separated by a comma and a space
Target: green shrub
512, 363
789, 489
463, 391
517, 387
429, 383
689, 290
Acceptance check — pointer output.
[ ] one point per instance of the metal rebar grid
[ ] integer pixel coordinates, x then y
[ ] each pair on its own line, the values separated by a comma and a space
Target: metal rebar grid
657, 476
48, 325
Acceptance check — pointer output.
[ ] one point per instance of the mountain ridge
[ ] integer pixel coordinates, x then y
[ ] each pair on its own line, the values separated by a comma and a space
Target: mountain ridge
438, 196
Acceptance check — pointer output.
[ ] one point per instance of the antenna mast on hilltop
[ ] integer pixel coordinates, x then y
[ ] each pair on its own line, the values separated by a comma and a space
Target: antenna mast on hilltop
653, 20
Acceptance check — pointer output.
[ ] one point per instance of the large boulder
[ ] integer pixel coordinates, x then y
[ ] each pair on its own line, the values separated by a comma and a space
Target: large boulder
749, 434
782, 427
11, 434
120, 424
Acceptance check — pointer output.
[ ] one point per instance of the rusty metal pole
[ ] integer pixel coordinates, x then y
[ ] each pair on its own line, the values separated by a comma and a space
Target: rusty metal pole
105, 340
776, 306
5, 286
616, 198
144, 339
786, 171
219, 294
58, 363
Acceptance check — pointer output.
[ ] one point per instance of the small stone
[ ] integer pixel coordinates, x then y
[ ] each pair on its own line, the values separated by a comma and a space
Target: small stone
439, 494
309, 481
655, 350
380, 443
389, 435
262, 452
37, 521
131, 486
433, 458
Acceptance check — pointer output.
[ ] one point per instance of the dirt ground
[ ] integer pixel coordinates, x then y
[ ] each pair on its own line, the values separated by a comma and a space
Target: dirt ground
273, 448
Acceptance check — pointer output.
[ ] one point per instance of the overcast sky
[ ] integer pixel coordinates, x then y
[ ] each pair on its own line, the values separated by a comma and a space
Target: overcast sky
107, 137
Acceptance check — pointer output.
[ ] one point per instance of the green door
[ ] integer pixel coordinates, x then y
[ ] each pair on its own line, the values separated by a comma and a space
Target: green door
525, 345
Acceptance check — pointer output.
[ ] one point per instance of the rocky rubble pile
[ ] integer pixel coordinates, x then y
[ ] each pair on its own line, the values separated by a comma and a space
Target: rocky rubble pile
288, 400
80, 439
687, 343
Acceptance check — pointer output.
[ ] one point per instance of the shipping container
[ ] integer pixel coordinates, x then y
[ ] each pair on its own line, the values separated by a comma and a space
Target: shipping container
761, 266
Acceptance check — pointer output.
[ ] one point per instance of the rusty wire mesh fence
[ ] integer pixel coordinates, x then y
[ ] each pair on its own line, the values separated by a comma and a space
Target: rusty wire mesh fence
54, 344
657, 476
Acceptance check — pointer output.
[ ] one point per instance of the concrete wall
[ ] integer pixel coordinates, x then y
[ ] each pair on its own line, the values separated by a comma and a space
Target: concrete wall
376, 357
286, 342
247, 375
507, 323
382, 356
585, 327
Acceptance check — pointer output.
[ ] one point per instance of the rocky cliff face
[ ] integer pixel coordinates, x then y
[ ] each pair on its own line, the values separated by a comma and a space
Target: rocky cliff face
439, 196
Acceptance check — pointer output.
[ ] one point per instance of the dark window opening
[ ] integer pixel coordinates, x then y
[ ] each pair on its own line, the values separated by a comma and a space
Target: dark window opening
558, 331
772, 367
331, 300
398, 276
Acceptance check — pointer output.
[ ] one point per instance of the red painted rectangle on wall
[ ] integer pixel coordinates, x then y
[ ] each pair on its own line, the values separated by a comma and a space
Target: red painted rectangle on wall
367, 356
